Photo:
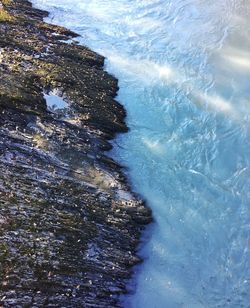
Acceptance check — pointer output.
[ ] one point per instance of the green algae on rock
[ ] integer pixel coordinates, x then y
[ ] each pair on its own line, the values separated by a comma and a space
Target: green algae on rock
69, 225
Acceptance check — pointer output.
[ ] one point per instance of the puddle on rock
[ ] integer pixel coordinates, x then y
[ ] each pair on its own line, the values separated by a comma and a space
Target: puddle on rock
56, 103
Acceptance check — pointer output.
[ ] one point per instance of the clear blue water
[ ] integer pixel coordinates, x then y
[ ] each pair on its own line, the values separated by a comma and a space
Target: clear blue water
184, 75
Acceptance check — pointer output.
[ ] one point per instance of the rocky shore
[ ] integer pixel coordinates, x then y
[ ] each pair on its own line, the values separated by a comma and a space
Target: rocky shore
69, 224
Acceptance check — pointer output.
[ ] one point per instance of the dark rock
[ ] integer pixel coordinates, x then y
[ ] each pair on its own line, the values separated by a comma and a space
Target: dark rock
68, 238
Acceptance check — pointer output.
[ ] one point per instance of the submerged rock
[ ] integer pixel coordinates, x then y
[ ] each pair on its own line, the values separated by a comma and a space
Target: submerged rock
69, 224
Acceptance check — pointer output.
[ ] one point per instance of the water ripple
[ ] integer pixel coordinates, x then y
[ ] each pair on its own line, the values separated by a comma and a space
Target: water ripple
183, 68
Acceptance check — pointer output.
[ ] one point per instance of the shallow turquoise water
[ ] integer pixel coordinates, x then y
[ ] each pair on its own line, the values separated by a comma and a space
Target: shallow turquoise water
184, 75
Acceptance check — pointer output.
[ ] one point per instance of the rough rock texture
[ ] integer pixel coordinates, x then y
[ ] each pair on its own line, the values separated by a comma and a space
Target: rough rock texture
69, 225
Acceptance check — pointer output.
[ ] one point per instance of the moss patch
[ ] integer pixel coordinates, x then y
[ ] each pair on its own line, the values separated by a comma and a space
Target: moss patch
6, 2
5, 16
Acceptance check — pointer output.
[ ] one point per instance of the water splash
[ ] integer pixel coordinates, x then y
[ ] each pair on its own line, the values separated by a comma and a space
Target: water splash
183, 69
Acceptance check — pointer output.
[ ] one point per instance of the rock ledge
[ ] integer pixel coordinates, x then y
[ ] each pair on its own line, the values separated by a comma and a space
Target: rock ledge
69, 224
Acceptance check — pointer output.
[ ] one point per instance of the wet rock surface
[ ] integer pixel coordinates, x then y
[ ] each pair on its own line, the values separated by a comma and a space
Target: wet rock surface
69, 225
